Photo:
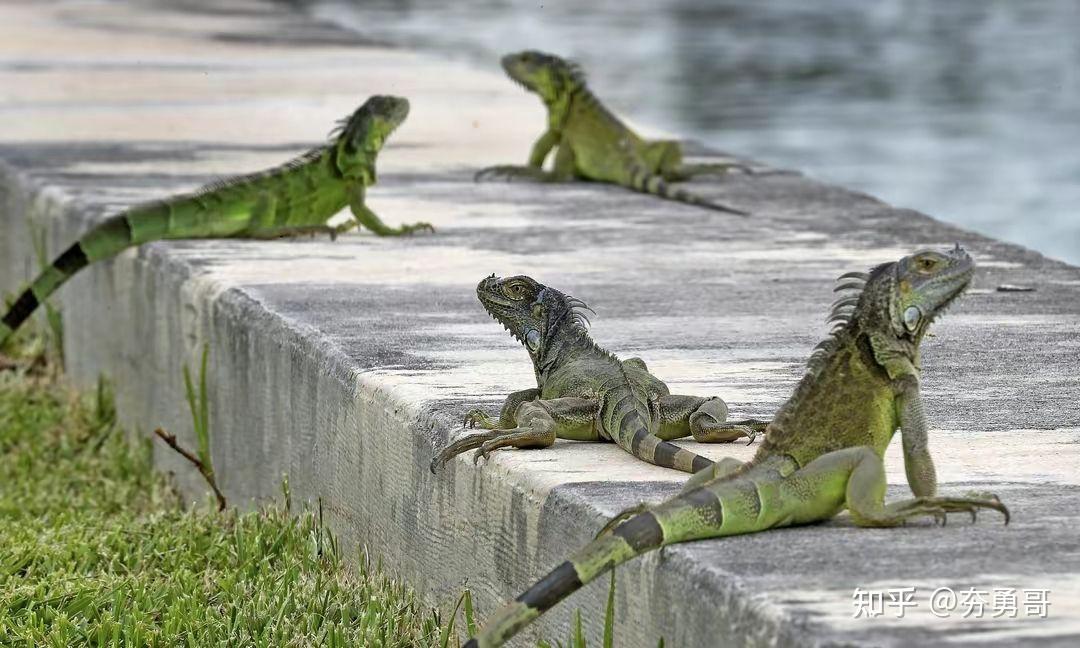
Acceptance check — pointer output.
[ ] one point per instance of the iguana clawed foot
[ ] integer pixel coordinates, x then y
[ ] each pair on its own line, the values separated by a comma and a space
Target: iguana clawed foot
419, 226
519, 437
489, 441
940, 507
475, 418
461, 445
534, 432
706, 430
513, 172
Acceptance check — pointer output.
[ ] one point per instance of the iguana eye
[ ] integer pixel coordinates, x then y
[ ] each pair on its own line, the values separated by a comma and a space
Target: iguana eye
514, 290
926, 264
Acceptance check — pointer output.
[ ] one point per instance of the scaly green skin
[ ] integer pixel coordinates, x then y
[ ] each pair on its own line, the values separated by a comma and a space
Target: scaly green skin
298, 197
822, 453
592, 143
585, 393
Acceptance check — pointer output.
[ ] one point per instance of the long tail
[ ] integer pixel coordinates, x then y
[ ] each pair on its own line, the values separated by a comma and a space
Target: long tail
693, 515
644, 181
105, 240
626, 414
151, 221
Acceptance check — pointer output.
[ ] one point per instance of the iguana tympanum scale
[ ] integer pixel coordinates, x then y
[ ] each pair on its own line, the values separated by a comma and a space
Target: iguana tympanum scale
297, 197
593, 144
823, 451
585, 393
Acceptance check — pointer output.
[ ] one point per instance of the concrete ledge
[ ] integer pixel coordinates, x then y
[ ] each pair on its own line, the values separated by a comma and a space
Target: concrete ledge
345, 365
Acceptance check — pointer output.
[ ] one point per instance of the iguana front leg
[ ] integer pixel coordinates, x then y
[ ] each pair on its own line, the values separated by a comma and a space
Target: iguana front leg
918, 465
563, 171
542, 147
478, 418
536, 424
370, 220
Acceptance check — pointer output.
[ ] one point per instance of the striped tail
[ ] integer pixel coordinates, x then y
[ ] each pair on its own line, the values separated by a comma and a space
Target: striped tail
103, 241
645, 182
694, 515
626, 415
630, 539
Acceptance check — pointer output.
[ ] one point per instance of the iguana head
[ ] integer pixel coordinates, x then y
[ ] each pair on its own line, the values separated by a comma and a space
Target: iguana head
921, 286
895, 303
533, 313
545, 74
361, 135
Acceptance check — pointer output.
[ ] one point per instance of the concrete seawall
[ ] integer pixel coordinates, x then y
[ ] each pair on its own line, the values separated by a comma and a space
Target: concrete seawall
345, 365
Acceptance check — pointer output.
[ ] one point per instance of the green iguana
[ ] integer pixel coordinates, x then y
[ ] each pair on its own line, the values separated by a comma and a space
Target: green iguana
298, 197
823, 451
585, 393
592, 143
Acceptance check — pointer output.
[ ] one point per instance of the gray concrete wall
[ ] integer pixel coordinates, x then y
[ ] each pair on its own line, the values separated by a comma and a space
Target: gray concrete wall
346, 365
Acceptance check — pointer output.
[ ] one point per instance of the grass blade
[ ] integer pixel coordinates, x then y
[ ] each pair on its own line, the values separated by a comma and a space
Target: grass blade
609, 615
470, 618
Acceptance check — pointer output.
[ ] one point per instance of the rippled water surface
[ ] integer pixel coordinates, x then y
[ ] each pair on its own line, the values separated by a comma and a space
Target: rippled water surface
966, 109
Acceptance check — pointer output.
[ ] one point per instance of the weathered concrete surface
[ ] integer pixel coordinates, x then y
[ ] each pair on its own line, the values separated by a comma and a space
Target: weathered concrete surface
346, 365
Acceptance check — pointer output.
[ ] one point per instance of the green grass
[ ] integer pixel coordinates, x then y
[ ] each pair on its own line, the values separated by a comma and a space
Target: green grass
97, 549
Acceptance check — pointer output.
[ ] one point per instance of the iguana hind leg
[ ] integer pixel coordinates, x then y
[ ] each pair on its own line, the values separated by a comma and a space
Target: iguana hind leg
665, 158
703, 418
856, 477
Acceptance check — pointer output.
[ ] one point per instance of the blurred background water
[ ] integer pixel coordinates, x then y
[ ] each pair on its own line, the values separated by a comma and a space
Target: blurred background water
967, 109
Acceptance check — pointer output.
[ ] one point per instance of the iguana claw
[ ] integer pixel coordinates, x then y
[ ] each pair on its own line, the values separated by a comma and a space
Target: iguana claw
417, 227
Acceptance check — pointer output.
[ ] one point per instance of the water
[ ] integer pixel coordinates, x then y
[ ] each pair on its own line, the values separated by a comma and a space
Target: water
968, 109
